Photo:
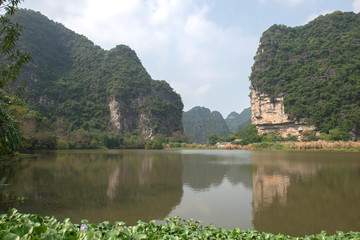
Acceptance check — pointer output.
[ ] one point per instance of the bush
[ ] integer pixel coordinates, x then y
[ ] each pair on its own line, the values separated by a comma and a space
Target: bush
248, 135
112, 140
291, 138
62, 144
309, 136
213, 139
156, 143
272, 137
339, 135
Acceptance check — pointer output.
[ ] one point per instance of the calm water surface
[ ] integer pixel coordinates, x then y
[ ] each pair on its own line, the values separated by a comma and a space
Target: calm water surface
293, 193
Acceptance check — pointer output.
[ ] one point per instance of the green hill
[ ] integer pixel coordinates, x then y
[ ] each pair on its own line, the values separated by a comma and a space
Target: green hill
317, 69
200, 123
73, 82
237, 121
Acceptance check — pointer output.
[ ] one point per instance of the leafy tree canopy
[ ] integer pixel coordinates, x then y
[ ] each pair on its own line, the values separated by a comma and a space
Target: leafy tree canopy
12, 60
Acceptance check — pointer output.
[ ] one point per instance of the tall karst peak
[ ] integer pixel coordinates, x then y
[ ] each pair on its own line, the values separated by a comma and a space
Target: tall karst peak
71, 78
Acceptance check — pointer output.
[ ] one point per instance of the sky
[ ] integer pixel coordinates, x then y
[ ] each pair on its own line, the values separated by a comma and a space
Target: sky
203, 48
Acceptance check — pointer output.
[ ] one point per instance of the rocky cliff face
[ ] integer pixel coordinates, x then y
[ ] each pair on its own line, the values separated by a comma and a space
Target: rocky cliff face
158, 112
269, 115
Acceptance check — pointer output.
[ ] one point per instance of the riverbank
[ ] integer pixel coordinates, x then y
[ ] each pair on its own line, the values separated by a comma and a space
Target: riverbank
15, 225
321, 145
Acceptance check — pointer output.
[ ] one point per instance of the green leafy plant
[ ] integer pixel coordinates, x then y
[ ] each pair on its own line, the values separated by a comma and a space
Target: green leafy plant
12, 60
15, 225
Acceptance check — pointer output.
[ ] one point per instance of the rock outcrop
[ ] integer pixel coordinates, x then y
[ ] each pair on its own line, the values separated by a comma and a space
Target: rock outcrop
269, 115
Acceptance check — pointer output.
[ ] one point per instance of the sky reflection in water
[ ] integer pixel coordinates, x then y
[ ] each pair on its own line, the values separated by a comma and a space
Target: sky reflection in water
293, 193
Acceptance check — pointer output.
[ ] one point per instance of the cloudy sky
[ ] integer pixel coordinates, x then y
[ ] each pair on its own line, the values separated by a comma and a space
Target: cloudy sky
203, 48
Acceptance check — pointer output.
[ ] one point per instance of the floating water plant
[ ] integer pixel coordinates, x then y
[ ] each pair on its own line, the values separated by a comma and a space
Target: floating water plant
15, 225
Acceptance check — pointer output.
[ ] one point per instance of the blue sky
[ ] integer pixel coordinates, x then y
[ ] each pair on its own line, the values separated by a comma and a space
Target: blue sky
203, 48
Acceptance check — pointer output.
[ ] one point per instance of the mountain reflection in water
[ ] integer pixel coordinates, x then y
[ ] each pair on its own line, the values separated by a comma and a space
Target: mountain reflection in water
294, 193
300, 193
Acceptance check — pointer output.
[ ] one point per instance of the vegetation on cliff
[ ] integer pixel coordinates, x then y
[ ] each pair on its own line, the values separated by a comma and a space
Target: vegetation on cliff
316, 67
200, 123
71, 83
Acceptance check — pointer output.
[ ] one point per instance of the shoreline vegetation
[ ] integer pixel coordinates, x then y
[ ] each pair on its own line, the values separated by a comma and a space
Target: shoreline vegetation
348, 146
15, 225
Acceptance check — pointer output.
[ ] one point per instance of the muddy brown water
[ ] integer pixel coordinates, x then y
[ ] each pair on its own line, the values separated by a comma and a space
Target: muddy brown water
294, 193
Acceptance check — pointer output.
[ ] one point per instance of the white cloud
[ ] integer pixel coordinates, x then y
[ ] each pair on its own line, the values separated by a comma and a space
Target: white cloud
356, 6
292, 2
203, 89
315, 15
288, 2
175, 40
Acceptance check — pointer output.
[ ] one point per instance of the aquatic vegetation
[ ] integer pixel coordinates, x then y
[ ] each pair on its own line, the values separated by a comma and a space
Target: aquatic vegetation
15, 225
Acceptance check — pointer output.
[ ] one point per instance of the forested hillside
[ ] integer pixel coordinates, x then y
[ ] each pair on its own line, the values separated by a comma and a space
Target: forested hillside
75, 87
237, 121
200, 123
316, 67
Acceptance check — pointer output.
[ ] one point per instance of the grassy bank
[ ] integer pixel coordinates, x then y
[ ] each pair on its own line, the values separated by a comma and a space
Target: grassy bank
15, 225
348, 146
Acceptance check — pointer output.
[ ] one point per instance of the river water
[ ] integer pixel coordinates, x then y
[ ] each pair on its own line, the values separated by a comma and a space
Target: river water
294, 193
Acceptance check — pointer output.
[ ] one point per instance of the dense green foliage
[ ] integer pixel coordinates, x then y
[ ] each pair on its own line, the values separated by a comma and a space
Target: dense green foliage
316, 67
249, 134
71, 83
236, 121
12, 60
199, 123
15, 225
177, 140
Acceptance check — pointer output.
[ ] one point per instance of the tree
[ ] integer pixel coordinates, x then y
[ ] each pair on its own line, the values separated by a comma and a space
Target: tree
213, 139
12, 60
249, 135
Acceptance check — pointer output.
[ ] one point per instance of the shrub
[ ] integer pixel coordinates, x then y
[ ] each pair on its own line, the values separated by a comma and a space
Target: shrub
339, 135
308, 136
213, 139
62, 144
156, 143
248, 135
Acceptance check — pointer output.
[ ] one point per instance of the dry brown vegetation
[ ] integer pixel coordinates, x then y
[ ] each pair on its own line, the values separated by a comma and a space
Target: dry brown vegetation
315, 145
324, 145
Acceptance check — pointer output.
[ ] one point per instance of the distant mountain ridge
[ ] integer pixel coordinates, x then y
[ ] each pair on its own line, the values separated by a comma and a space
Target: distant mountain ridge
74, 81
236, 121
199, 123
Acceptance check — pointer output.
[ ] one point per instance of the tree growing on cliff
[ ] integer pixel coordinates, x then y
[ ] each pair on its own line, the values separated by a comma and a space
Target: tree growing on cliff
12, 60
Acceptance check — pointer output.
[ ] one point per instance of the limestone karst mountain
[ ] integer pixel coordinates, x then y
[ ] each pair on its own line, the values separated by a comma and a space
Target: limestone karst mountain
237, 121
307, 77
73, 82
200, 123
